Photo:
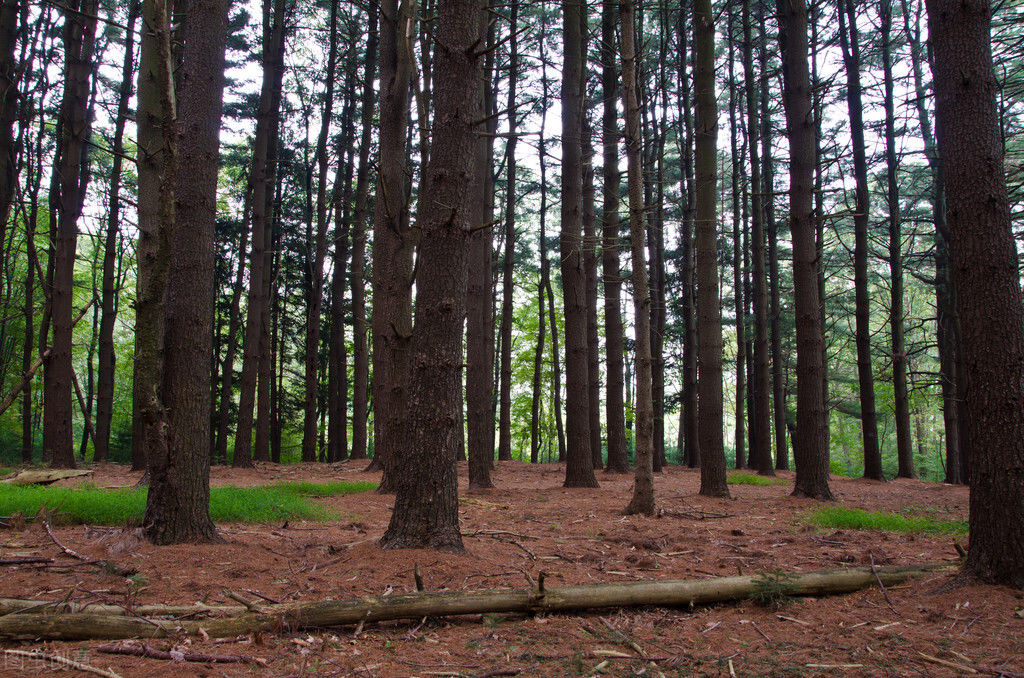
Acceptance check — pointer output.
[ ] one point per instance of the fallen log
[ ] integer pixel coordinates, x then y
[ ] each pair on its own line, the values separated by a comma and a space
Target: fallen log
44, 476
327, 613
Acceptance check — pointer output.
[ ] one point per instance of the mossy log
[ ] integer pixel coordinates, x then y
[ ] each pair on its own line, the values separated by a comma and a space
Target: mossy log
109, 622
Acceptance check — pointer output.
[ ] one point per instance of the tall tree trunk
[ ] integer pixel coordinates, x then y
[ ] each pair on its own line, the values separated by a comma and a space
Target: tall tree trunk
590, 277
990, 305
262, 201
772, 233
760, 452
809, 449
904, 450
579, 469
426, 499
479, 309
337, 382
9, 77
615, 417
392, 243
318, 253
947, 320
107, 357
688, 414
177, 508
360, 351
850, 43
508, 261
643, 485
79, 38
709, 312
739, 248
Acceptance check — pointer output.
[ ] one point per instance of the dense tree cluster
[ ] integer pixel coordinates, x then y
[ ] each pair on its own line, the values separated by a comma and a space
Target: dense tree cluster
316, 230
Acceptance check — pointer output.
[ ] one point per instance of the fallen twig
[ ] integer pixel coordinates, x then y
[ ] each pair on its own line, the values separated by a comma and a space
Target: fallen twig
63, 661
105, 565
874, 571
146, 651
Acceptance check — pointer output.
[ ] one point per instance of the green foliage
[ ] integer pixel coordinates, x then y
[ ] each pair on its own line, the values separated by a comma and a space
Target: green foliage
841, 517
740, 478
98, 506
771, 589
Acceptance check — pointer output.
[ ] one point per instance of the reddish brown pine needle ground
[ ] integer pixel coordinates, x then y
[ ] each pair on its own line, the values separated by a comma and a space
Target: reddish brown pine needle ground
528, 524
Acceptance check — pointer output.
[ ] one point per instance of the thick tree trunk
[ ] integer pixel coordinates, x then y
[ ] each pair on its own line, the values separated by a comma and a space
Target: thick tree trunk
990, 305
426, 500
579, 469
177, 508
590, 240
809, 442
643, 485
709, 312
850, 43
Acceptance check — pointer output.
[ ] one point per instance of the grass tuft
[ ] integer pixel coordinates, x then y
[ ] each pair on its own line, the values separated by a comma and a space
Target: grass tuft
741, 478
97, 506
843, 518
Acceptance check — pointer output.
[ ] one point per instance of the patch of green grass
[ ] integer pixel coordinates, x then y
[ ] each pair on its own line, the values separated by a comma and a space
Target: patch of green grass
740, 478
842, 518
4, 471
96, 506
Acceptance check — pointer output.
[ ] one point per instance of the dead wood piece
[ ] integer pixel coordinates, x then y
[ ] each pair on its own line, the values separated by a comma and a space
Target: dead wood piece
143, 650
536, 599
61, 661
24, 561
44, 476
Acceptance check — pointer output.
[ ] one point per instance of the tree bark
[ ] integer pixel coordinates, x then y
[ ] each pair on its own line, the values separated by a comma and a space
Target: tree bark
479, 309
426, 499
614, 343
643, 484
989, 303
709, 312
177, 508
392, 243
579, 469
809, 449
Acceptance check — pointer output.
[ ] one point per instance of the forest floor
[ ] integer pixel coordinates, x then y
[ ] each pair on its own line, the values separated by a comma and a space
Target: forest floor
531, 523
